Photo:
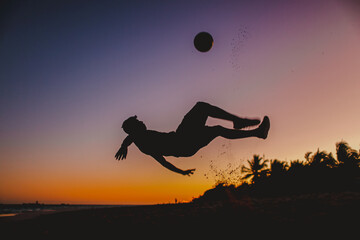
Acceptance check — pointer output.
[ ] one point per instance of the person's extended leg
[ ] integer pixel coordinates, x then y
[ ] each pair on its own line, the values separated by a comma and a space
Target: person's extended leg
208, 110
207, 134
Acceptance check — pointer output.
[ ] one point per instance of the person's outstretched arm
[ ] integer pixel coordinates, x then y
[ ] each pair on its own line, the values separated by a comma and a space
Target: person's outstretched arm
171, 167
122, 153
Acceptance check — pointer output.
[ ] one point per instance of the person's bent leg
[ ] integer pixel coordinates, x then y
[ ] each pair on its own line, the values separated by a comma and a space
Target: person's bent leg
215, 112
209, 110
235, 134
260, 132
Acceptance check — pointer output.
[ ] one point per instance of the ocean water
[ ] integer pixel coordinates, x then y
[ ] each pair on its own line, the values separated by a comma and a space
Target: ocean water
9, 210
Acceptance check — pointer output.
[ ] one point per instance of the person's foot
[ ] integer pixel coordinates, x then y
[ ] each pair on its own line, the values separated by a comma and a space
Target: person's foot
264, 127
244, 122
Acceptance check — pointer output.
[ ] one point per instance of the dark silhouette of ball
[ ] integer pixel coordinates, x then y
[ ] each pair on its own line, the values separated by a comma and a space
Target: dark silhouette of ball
203, 41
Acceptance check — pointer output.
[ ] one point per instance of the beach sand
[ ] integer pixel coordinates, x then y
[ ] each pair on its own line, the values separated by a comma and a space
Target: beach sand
325, 214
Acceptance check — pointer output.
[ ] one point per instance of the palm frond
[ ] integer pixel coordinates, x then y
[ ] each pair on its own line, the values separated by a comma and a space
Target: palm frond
247, 176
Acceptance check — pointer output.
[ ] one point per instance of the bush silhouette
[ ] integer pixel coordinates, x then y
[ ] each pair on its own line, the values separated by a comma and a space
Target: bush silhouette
319, 172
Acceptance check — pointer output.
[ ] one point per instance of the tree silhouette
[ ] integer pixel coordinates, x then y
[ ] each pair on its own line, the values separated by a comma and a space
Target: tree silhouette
342, 149
320, 172
347, 156
308, 156
257, 169
296, 165
320, 159
278, 168
349, 164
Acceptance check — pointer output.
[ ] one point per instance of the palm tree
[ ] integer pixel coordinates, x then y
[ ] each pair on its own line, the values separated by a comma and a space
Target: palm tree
347, 156
296, 164
307, 156
321, 159
349, 161
296, 167
278, 168
342, 149
256, 170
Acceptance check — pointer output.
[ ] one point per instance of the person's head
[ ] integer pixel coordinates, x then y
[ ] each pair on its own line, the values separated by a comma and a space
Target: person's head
133, 126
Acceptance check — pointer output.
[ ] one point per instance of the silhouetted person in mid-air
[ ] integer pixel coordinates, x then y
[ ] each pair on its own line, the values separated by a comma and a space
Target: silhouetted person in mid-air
191, 135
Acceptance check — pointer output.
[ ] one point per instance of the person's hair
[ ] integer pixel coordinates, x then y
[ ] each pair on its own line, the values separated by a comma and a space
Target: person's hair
129, 125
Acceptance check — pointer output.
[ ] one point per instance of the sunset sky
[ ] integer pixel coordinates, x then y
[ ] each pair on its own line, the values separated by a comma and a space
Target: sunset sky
72, 71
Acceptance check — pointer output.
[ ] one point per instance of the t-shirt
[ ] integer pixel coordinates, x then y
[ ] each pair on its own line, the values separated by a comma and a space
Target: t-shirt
166, 144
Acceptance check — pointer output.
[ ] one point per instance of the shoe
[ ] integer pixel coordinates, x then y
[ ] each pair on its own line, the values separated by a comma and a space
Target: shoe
244, 122
264, 128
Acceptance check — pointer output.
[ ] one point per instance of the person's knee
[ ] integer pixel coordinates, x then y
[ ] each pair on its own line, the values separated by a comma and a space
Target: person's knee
202, 105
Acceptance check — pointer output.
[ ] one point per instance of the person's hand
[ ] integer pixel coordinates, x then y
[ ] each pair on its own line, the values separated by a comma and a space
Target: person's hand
188, 172
121, 154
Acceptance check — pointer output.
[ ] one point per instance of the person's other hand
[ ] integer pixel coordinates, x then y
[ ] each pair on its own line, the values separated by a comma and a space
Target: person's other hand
189, 172
121, 154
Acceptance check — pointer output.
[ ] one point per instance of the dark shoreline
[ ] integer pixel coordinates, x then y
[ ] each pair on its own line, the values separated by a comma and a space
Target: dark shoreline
324, 213
29, 207
18, 212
